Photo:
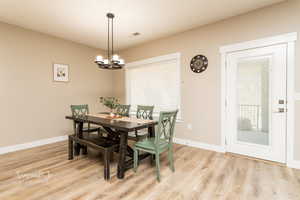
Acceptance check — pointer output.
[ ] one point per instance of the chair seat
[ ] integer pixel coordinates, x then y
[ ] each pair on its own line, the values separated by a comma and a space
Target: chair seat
149, 144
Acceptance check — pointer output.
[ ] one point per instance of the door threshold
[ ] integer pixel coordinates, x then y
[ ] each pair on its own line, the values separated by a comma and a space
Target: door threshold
256, 159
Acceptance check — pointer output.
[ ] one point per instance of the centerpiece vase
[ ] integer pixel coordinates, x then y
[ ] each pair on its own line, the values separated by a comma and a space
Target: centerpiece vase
112, 114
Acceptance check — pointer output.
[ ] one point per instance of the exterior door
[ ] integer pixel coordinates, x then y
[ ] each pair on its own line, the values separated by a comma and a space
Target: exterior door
256, 103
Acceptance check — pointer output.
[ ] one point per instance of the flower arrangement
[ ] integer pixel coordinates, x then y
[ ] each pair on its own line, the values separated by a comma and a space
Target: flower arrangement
110, 102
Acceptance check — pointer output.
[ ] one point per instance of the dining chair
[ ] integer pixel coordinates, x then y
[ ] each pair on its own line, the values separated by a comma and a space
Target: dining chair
123, 110
81, 111
143, 112
163, 141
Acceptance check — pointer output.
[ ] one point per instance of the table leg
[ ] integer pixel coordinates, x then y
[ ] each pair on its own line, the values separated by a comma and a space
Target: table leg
79, 134
106, 164
71, 148
84, 150
122, 155
83, 147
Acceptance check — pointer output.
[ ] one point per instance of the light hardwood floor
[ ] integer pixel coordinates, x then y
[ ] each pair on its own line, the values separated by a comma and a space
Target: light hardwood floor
45, 173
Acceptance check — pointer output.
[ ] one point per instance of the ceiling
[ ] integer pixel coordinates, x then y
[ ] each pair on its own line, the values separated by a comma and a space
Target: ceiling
84, 21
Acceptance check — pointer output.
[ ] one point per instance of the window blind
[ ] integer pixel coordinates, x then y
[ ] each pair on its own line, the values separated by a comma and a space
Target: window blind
156, 83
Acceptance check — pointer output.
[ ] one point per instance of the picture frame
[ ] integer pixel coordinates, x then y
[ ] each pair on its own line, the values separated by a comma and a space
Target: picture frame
60, 72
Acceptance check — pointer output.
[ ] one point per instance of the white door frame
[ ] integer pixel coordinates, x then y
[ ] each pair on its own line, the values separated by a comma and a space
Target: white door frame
288, 39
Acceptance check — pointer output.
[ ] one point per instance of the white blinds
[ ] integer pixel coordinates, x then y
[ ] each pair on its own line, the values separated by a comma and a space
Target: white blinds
155, 83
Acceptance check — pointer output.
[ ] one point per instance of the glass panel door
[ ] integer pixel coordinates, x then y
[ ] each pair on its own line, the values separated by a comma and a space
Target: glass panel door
256, 103
253, 100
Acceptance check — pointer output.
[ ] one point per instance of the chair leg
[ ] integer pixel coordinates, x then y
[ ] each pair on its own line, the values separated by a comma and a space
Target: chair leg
152, 159
171, 160
106, 165
71, 153
135, 159
100, 133
111, 155
157, 167
84, 150
77, 149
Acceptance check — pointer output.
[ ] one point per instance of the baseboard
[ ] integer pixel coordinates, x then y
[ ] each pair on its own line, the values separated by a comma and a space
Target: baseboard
294, 164
3, 150
200, 145
36, 143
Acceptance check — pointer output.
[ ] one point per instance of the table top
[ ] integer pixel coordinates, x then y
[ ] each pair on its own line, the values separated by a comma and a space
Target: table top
114, 123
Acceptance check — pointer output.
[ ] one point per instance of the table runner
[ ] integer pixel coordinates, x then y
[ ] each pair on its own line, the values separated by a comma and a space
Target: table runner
126, 119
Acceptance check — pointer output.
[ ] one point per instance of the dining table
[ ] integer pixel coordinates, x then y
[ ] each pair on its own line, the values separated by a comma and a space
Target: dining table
117, 129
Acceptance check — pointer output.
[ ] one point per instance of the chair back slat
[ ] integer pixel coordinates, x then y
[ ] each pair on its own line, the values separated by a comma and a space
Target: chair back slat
144, 112
123, 110
79, 110
166, 126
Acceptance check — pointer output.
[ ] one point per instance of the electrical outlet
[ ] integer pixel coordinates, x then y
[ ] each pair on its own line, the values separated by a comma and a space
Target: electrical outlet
189, 126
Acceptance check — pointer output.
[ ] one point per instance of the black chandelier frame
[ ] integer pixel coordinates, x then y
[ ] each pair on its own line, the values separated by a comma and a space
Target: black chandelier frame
112, 63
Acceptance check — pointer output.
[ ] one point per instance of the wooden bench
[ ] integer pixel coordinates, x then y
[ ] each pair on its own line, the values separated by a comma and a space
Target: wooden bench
103, 144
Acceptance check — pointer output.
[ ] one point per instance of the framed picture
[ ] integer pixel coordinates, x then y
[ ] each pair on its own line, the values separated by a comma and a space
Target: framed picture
61, 72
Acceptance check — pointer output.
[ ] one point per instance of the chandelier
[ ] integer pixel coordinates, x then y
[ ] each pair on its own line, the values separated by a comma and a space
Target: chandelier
113, 61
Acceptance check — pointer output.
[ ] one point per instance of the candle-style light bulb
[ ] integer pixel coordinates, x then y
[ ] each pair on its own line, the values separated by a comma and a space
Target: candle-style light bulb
121, 62
99, 59
115, 57
105, 61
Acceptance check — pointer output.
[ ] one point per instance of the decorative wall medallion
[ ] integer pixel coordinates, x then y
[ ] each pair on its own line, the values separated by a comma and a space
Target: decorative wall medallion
199, 64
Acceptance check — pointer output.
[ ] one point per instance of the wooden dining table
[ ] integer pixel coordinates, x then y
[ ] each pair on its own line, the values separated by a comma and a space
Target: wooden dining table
117, 129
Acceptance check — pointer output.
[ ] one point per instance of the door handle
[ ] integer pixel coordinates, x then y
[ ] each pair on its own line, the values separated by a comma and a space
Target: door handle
280, 101
280, 110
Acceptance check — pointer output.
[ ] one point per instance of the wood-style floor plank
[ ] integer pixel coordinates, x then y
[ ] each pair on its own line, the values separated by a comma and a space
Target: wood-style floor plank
44, 173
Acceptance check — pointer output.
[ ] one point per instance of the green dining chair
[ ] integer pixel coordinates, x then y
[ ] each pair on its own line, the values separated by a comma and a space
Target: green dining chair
123, 110
81, 111
143, 112
163, 141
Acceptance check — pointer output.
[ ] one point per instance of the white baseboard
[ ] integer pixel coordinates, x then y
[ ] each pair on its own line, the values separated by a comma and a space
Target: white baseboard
200, 145
36, 143
3, 150
294, 164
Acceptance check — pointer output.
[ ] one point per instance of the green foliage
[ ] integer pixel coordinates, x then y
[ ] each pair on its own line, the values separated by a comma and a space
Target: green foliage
110, 102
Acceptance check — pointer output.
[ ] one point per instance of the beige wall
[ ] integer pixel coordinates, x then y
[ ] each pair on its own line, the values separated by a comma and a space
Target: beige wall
33, 107
201, 92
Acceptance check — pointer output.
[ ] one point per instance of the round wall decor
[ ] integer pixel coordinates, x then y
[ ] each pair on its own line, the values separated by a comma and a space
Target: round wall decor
199, 64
